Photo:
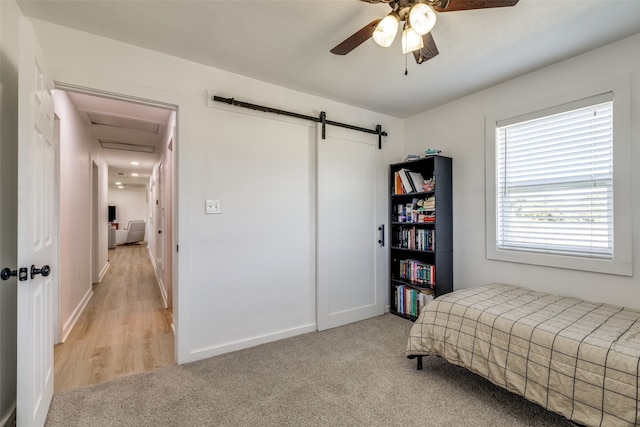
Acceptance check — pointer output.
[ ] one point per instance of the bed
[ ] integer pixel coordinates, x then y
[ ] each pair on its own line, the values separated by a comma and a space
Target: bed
573, 357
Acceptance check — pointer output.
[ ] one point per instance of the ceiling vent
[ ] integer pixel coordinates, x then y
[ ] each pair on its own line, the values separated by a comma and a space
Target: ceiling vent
115, 145
100, 119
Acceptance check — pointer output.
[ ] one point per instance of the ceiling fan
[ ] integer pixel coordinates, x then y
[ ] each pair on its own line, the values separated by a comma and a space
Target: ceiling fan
419, 19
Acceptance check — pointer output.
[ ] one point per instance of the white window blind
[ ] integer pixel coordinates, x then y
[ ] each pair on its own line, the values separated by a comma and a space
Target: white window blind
554, 180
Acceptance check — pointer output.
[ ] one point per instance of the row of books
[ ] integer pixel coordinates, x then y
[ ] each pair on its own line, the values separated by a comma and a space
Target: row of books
417, 217
419, 210
406, 181
418, 272
420, 239
410, 301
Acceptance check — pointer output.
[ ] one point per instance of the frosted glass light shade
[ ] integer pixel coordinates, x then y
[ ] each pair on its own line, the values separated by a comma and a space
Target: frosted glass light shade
386, 30
422, 18
411, 41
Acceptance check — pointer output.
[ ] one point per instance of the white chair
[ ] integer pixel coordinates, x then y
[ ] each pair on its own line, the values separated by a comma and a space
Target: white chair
134, 233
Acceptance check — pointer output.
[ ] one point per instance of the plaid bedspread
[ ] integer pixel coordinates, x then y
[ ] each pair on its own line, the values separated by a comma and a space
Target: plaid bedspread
573, 357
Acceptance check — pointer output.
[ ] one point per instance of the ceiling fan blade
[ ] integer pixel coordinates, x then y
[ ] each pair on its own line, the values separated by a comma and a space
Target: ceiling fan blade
428, 51
453, 5
389, 2
356, 39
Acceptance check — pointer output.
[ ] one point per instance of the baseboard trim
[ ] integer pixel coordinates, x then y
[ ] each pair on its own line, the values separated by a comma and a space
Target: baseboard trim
163, 291
68, 327
104, 271
250, 342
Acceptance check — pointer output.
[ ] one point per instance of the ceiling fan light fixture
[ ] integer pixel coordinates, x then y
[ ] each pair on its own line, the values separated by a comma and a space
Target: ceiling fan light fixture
386, 30
422, 18
411, 40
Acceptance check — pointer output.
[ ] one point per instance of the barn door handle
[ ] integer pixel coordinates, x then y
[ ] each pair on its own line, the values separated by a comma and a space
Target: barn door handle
7, 273
381, 239
45, 270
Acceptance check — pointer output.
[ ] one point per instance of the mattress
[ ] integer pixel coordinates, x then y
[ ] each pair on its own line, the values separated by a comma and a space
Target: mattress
573, 357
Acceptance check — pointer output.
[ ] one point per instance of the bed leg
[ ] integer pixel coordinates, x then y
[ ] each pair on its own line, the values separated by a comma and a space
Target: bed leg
418, 361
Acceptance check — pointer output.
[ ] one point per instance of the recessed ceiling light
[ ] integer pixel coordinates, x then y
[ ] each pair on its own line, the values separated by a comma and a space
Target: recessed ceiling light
134, 174
120, 186
118, 183
135, 163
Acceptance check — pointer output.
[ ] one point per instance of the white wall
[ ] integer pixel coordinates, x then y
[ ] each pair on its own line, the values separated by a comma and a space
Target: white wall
458, 128
78, 150
130, 203
245, 276
9, 13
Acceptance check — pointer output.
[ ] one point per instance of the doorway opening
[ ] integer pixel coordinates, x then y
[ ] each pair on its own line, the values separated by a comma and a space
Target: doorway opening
116, 285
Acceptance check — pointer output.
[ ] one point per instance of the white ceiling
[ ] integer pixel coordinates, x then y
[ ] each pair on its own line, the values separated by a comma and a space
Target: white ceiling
128, 127
287, 42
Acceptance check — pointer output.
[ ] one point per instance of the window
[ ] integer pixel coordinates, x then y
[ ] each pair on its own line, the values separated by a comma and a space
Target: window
558, 182
555, 180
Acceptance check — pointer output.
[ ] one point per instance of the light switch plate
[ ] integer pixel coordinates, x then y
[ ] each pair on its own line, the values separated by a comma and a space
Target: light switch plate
212, 206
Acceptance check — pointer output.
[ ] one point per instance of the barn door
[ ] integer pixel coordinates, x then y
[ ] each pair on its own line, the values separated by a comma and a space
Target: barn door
347, 232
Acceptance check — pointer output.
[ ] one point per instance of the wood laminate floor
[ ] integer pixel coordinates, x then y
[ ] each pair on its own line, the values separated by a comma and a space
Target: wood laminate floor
124, 329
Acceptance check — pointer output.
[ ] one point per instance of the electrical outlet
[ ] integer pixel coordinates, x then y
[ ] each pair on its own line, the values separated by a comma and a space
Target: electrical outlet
212, 206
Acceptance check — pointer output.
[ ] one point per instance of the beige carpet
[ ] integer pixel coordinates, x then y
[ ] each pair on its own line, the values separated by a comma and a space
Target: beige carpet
355, 375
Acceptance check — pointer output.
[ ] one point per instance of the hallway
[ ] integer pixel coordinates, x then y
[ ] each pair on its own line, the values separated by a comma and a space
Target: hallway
124, 329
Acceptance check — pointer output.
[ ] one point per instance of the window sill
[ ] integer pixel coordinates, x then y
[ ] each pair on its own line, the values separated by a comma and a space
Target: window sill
559, 261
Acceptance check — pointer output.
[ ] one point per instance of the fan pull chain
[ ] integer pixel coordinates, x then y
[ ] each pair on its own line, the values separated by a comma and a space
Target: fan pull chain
406, 69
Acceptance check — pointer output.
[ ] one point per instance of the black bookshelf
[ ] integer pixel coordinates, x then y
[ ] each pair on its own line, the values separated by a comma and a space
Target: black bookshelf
421, 233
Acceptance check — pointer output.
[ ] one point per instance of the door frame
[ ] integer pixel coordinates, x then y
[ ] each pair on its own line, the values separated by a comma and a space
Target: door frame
176, 107
56, 303
94, 173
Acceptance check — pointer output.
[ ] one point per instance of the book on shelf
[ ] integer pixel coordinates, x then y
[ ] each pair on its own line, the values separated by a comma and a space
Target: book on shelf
398, 186
411, 301
420, 239
407, 181
417, 272
420, 210
429, 204
417, 180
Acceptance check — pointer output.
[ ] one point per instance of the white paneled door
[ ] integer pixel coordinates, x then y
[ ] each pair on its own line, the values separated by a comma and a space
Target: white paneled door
37, 242
347, 233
